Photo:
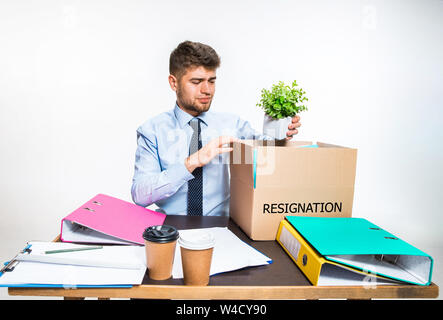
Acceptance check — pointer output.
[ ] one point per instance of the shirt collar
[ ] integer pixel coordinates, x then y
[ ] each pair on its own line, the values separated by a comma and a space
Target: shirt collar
183, 117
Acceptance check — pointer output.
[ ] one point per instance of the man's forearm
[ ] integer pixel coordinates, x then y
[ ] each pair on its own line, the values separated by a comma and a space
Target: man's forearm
148, 189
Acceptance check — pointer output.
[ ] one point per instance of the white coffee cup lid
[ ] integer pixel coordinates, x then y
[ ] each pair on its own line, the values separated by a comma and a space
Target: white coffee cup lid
196, 240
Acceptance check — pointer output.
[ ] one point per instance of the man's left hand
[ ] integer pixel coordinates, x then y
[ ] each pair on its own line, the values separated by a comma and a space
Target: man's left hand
293, 127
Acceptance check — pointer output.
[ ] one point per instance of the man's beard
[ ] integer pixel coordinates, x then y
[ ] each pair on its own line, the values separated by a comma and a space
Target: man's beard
189, 106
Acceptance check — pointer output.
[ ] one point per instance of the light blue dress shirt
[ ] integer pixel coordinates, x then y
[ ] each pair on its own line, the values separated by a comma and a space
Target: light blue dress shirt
160, 175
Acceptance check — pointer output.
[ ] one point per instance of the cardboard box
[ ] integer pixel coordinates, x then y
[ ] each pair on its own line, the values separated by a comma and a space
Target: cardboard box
271, 180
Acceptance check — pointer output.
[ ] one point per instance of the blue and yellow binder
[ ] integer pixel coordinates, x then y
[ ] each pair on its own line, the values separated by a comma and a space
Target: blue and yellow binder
351, 251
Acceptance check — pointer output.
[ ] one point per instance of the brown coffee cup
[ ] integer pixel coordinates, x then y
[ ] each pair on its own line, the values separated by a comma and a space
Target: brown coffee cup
196, 249
160, 243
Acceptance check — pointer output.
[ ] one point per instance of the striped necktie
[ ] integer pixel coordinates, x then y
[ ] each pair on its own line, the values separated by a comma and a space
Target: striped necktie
195, 186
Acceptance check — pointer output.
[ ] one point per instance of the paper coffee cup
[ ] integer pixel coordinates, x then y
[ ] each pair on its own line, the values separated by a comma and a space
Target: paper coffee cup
196, 252
160, 242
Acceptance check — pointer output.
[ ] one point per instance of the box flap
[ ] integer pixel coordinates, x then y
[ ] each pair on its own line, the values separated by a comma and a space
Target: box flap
241, 161
290, 166
249, 155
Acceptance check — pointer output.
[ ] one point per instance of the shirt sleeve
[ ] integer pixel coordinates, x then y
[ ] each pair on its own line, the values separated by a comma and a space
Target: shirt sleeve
150, 183
245, 131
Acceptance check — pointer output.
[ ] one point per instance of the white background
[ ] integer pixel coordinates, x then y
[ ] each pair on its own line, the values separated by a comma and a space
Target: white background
78, 77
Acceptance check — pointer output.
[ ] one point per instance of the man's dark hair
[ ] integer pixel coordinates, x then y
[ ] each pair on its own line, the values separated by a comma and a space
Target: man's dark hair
192, 54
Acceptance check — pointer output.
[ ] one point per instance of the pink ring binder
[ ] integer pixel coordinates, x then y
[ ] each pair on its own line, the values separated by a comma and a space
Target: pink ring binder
105, 219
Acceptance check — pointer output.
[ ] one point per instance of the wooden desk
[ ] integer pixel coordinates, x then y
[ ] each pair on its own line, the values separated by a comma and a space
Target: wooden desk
280, 280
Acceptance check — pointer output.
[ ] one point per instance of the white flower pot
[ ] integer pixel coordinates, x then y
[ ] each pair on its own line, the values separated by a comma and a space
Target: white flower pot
276, 128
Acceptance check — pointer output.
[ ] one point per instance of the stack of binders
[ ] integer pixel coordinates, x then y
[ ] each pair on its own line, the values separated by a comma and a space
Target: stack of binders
351, 251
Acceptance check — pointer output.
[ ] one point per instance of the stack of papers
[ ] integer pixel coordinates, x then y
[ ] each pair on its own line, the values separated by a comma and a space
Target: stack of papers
109, 266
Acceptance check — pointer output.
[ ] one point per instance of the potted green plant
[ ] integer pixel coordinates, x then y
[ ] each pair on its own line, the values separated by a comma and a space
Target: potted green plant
280, 104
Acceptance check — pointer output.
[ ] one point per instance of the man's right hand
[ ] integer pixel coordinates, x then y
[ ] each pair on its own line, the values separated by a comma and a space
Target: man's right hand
213, 148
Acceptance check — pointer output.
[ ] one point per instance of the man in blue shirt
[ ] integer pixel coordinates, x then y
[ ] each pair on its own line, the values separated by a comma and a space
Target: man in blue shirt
181, 158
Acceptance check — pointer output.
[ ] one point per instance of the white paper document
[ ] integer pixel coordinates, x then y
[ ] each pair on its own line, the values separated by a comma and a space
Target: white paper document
111, 265
126, 257
230, 253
